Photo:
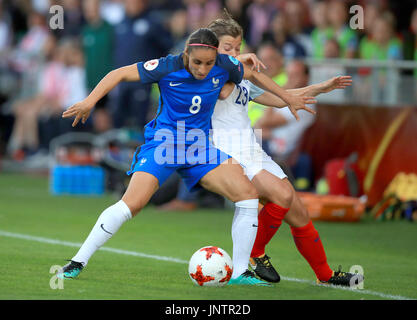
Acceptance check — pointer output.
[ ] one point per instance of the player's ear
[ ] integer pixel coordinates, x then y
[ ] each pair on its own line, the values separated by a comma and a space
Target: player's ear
186, 58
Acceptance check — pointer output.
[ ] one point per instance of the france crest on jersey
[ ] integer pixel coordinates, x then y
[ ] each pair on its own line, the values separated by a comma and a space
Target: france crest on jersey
177, 139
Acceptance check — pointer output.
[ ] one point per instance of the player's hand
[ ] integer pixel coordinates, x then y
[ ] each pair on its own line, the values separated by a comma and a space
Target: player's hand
340, 82
80, 110
299, 103
251, 59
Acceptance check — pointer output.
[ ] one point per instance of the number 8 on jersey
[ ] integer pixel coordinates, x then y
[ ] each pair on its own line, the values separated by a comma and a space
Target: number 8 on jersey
196, 105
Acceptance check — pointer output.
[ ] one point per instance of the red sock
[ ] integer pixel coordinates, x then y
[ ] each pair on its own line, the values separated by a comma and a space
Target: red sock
269, 220
308, 243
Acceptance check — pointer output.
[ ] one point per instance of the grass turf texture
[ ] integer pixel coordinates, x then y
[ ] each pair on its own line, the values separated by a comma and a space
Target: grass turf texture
386, 251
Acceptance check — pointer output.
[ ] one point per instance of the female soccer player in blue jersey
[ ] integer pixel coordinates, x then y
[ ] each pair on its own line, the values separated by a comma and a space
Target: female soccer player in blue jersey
276, 193
189, 86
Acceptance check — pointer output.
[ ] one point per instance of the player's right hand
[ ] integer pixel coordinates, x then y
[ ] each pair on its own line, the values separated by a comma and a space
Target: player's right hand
252, 60
80, 110
299, 103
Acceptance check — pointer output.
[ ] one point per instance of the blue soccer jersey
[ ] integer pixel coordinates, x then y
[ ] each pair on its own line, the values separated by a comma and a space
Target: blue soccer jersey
184, 99
177, 139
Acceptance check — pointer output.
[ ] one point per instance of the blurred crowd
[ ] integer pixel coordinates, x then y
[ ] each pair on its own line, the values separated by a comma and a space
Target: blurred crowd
44, 68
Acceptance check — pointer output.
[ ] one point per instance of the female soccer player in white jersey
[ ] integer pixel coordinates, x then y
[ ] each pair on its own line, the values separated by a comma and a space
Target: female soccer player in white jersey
189, 88
232, 134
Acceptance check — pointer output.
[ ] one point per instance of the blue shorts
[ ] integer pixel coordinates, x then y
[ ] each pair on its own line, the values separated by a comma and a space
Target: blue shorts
148, 158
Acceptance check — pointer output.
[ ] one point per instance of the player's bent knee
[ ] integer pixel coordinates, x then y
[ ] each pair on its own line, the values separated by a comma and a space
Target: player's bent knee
282, 195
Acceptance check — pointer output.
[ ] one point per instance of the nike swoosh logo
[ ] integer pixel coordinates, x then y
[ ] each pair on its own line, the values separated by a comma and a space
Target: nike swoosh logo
174, 84
254, 225
105, 229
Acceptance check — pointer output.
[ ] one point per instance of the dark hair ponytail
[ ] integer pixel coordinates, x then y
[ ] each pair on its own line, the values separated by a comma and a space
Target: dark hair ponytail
205, 37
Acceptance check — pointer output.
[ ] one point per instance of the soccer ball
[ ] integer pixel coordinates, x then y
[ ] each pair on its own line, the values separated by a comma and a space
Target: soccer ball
211, 267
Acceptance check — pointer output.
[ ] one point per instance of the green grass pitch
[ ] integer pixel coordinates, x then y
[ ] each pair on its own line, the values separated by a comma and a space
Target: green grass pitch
38, 230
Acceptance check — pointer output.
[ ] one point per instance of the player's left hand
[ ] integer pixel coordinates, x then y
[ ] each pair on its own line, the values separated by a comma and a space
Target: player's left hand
80, 110
252, 60
340, 82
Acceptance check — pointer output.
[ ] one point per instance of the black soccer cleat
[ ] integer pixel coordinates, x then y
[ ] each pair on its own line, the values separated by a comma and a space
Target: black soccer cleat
345, 279
70, 270
264, 269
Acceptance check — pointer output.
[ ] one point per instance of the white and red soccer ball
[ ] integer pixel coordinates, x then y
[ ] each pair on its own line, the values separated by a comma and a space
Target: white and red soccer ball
210, 266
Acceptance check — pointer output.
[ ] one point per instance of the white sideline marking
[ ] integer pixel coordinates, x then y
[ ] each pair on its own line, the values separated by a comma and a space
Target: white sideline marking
77, 245
171, 259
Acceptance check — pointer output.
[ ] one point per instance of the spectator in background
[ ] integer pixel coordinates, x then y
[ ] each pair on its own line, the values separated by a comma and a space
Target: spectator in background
42, 6
73, 89
238, 9
286, 131
30, 47
73, 19
97, 40
139, 37
112, 11
322, 31
382, 44
274, 62
179, 30
260, 14
18, 12
201, 12
279, 37
61, 80
22, 64
331, 49
273, 59
47, 96
323, 72
295, 13
372, 11
75, 73
347, 37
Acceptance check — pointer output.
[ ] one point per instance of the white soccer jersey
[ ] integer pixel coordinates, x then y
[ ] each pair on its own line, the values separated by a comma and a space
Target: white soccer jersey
233, 134
233, 111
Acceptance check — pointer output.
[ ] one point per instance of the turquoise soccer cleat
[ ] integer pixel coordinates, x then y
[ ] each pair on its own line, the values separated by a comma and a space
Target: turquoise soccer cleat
70, 270
248, 278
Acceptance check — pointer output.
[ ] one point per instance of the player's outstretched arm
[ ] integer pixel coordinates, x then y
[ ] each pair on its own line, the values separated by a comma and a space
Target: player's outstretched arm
340, 82
269, 99
263, 81
82, 109
308, 93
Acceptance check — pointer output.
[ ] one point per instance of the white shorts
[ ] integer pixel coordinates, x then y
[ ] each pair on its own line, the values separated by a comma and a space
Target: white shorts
253, 166
251, 157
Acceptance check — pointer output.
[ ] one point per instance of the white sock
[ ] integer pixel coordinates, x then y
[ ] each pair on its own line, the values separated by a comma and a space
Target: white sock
244, 229
106, 226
